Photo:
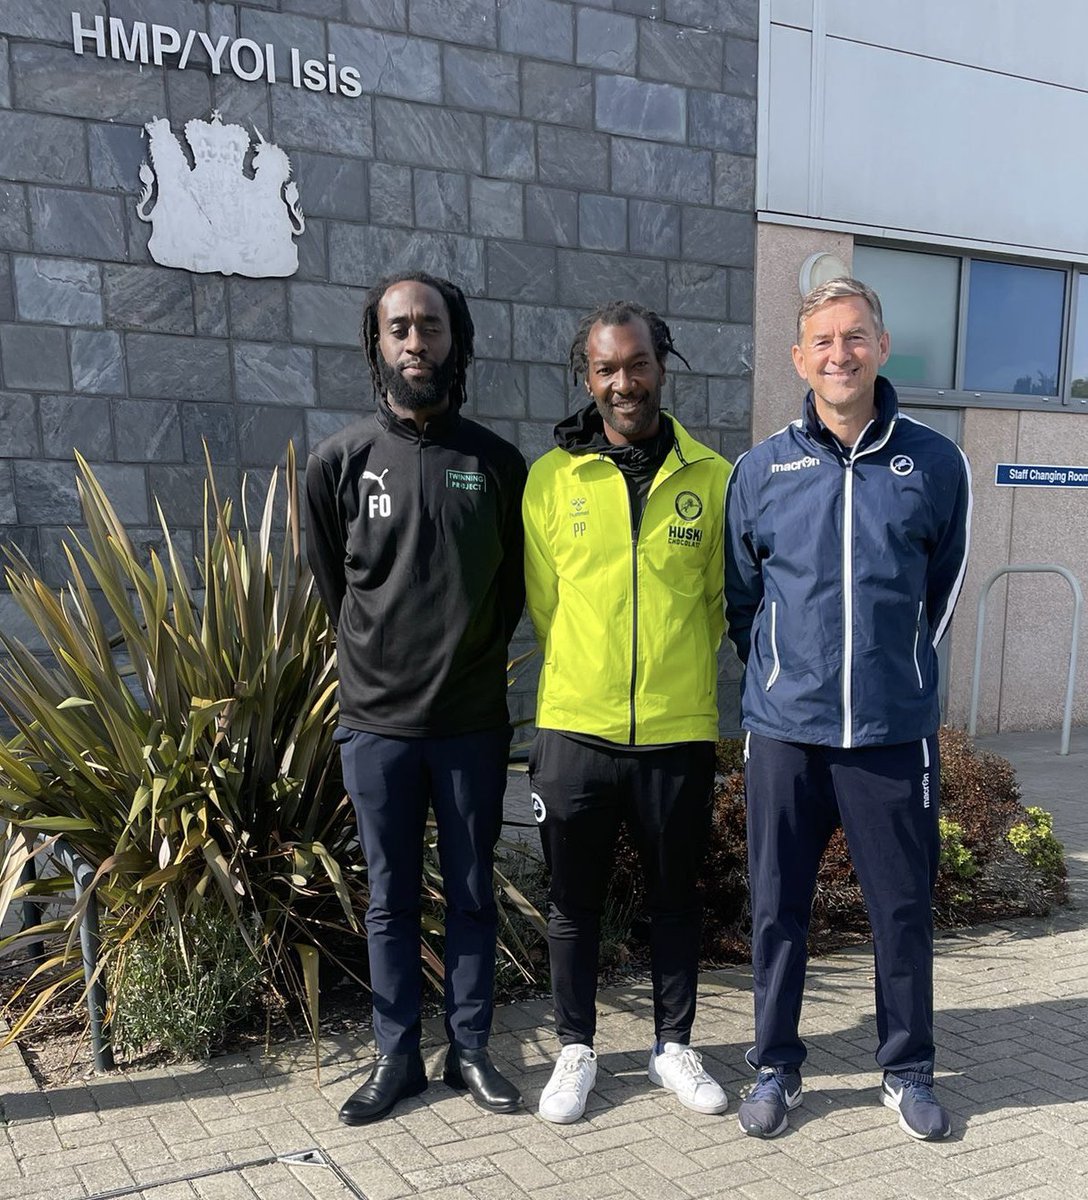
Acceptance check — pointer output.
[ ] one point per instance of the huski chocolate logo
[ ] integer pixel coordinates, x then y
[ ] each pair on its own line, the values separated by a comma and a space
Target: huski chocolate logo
211, 216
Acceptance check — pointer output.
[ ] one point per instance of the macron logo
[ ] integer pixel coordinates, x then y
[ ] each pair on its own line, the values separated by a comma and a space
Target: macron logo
798, 464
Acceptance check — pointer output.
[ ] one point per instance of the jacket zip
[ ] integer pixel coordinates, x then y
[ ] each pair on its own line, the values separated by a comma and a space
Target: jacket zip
634, 580
635, 530
917, 634
774, 646
848, 605
848, 580
634, 615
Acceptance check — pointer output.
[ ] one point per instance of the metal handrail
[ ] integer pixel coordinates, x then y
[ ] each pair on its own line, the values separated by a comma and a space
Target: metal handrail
90, 944
1078, 604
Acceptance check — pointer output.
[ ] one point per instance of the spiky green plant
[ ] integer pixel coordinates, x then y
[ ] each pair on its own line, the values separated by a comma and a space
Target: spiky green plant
179, 738
182, 742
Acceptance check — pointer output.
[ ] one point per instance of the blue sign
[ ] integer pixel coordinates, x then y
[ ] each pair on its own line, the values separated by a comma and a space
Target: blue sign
1039, 475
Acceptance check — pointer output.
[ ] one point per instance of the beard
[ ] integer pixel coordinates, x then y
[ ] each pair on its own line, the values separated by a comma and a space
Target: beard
637, 424
411, 395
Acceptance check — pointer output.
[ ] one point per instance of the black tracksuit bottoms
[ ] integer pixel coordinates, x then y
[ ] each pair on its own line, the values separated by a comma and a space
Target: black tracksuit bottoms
581, 791
392, 781
886, 799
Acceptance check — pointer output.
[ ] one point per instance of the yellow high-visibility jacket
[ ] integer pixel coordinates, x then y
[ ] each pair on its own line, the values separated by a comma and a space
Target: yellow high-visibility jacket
629, 624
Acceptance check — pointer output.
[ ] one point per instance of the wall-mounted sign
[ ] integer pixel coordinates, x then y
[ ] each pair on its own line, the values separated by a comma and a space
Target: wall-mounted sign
143, 42
1039, 475
211, 216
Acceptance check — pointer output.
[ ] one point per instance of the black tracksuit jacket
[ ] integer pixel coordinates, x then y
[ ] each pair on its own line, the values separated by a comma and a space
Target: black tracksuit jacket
415, 542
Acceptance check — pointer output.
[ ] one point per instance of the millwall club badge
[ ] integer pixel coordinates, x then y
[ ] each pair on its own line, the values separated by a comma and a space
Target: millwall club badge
212, 216
902, 464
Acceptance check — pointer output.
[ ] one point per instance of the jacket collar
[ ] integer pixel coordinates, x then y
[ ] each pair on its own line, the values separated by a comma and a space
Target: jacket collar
435, 430
582, 436
887, 411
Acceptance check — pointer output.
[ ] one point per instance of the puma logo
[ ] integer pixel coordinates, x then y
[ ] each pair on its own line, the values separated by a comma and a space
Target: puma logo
378, 479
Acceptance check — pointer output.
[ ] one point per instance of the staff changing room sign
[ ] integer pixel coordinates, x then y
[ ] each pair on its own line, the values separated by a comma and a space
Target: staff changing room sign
1039, 475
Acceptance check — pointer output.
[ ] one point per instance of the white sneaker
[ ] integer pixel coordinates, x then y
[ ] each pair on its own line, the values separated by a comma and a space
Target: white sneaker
563, 1099
680, 1069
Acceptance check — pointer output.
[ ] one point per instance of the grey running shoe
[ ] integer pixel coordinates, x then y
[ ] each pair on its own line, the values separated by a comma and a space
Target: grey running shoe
921, 1114
764, 1113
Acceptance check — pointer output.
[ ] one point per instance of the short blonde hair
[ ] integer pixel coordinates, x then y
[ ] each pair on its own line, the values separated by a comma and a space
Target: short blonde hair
839, 289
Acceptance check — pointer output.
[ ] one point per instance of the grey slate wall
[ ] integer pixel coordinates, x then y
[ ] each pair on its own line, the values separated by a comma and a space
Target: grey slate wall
546, 155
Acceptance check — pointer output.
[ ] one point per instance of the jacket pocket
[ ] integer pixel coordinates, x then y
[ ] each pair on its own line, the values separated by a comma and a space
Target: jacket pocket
776, 665
917, 635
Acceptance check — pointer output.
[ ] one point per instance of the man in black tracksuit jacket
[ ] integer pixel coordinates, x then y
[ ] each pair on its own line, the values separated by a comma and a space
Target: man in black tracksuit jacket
847, 536
415, 542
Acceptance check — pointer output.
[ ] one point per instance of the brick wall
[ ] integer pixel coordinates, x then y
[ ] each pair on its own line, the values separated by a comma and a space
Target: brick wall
544, 154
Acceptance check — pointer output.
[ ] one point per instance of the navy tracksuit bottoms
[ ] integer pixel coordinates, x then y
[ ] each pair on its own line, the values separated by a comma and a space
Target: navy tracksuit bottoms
886, 799
392, 781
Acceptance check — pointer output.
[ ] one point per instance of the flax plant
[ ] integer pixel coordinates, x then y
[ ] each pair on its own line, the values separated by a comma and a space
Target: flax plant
178, 737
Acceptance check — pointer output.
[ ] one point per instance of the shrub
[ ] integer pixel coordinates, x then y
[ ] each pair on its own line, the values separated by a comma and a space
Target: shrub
956, 862
181, 994
180, 740
997, 859
979, 793
1033, 839
188, 758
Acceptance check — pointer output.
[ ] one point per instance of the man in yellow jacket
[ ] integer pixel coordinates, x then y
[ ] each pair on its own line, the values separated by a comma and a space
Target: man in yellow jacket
624, 570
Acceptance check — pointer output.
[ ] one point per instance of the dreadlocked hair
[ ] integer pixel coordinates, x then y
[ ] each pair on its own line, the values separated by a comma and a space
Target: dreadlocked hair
621, 312
462, 331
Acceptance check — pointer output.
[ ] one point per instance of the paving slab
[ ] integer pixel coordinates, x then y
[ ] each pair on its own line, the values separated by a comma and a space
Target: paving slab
1012, 1021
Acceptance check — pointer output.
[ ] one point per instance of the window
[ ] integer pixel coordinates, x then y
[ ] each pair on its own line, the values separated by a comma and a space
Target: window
969, 330
1078, 359
919, 294
1014, 329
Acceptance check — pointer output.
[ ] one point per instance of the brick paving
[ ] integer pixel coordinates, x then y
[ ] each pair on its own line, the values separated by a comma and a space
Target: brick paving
1012, 1021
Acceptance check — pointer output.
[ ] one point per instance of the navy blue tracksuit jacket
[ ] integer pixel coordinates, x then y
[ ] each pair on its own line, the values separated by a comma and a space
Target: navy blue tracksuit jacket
842, 571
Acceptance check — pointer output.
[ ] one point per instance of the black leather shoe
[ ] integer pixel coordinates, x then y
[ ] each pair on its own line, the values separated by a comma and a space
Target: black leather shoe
474, 1070
394, 1077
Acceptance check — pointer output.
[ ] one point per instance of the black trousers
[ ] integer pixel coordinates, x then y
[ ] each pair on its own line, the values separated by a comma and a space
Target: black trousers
581, 793
886, 799
392, 781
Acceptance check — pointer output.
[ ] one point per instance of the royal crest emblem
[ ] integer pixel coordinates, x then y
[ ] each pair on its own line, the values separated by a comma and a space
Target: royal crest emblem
213, 216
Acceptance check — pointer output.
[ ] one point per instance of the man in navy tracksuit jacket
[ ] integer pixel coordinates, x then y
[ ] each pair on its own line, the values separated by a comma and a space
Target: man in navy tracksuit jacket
847, 536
